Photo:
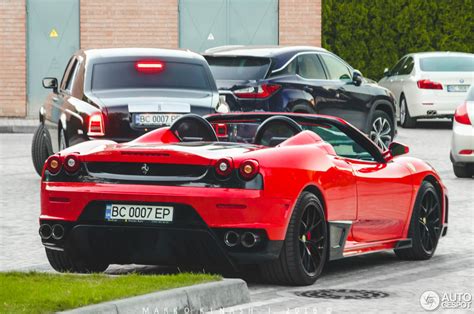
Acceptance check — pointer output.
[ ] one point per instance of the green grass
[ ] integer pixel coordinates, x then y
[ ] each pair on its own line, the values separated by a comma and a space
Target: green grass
44, 293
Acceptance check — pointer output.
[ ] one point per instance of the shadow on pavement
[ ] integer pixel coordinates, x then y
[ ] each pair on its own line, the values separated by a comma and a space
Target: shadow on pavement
434, 124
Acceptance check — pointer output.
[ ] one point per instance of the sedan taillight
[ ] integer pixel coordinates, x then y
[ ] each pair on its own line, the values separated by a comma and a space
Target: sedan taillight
461, 115
96, 125
427, 84
259, 92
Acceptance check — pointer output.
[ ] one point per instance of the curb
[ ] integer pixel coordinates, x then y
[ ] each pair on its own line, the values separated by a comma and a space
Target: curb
18, 125
199, 298
17, 129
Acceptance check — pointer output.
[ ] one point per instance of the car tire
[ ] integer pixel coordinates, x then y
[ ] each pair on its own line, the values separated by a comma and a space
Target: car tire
303, 108
462, 171
41, 148
406, 120
304, 252
425, 225
62, 262
382, 130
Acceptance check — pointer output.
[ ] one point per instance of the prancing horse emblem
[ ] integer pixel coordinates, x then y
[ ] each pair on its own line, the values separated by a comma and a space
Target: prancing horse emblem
145, 169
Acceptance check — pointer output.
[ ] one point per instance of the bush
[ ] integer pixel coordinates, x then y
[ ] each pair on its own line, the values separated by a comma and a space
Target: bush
373, 34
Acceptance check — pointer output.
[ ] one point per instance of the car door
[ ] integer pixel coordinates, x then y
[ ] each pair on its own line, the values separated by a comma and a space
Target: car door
55, 103
394, 80
403, 74
349, 100
384, 189
314, 82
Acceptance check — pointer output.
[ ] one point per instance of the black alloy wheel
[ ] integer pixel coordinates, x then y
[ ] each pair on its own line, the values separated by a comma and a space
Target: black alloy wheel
429, 221
305, 248
425, 225
312, 240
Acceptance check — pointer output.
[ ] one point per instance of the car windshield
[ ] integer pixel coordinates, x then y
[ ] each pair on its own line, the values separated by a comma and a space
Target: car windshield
447, 64
245, 131
124, 75
238, 68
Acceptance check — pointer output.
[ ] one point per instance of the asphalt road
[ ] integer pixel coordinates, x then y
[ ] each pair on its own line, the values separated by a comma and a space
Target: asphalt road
380, 281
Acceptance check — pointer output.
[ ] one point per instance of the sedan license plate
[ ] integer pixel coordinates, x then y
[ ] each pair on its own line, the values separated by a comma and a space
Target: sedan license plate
458, 88
138, 213
155, 119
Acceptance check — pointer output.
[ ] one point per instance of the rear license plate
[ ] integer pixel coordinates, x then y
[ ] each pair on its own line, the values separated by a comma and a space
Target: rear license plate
458, 88
138, 213
155, 119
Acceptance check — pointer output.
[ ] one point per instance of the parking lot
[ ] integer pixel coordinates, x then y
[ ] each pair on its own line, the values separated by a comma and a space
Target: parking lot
397, 284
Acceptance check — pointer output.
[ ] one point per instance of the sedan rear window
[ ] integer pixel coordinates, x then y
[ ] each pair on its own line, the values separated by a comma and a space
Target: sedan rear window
238, 68
124, 75
447, 64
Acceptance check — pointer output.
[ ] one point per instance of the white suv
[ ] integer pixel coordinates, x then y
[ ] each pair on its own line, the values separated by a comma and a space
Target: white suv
429, 84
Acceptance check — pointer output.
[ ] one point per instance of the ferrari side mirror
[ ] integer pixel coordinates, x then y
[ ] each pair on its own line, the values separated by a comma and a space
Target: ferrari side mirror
386, 72
395, 149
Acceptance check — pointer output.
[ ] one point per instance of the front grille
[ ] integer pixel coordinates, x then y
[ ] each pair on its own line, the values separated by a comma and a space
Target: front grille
147, 169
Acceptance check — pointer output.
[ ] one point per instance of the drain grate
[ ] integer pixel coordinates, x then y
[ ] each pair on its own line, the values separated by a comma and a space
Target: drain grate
342, 294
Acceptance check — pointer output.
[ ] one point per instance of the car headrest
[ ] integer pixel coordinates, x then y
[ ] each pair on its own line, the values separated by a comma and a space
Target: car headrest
192, 126
276, 127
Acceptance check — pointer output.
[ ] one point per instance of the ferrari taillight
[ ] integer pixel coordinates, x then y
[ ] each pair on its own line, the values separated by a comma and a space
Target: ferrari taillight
224, 167
461, 115
248, 169
259, 92
96, 125
71, 163
53, 164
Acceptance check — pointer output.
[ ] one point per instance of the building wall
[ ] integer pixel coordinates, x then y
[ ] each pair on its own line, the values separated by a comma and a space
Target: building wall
12, 58
300, 22
129, 23
126, 23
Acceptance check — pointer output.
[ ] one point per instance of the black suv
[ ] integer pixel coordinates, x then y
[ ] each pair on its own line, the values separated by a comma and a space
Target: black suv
302, 79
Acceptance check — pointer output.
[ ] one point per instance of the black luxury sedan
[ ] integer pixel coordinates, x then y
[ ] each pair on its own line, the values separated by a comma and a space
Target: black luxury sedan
119, 94
302, 79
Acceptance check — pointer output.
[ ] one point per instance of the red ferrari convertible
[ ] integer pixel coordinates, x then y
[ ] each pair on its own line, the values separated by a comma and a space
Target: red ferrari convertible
286, 192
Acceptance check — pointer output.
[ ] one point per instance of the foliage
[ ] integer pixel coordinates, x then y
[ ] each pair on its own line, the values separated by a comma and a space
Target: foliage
44, 293
373, 34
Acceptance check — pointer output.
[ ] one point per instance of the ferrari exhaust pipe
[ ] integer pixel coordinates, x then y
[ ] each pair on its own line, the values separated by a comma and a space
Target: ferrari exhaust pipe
45, 231
231, 238
249, 239
58, 232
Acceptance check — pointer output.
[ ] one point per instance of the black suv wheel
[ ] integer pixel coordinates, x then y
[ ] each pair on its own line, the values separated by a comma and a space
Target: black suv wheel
41, 148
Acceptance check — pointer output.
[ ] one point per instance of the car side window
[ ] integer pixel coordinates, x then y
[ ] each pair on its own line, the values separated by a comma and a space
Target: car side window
71, 75
337, 69
66, 71
407, 67
309, 67
291, 68
343, 144
396, 68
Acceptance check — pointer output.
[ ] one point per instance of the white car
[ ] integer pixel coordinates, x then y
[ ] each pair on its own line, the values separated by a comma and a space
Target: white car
462, 143
429, 84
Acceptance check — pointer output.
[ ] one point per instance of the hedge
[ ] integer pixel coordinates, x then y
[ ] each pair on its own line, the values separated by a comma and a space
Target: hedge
373, 34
